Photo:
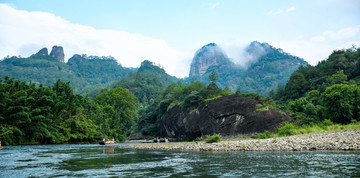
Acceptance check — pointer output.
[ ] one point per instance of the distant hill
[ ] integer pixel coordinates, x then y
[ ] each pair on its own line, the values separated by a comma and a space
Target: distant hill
268, 68
147, 83
84, 72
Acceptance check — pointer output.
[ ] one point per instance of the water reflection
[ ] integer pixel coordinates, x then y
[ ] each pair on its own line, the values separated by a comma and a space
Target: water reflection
101, 161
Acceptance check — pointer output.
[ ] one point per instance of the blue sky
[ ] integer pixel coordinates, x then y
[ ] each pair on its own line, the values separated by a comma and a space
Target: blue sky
169, 32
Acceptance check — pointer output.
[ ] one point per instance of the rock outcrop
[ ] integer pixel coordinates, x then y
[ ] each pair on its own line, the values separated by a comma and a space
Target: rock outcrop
43, 52
231, 115
259, 68
209, 55
58, 53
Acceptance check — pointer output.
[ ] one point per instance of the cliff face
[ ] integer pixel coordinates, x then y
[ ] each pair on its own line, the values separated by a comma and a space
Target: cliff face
207, 56
229, 116
262, 67
58, 53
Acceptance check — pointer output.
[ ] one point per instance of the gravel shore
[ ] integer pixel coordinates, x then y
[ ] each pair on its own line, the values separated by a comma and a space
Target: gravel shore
347, 140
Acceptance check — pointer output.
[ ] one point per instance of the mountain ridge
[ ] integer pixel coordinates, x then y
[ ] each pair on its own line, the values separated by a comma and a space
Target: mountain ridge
267, 68
85, 73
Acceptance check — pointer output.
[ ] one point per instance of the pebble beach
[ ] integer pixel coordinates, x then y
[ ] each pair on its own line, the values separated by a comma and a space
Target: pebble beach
347, 140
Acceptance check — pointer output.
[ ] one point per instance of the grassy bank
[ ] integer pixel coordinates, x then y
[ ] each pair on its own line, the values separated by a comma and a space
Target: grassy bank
289, 129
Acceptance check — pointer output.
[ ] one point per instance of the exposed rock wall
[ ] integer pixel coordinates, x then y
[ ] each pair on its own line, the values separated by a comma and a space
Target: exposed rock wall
58, 53
207, 56
228, 115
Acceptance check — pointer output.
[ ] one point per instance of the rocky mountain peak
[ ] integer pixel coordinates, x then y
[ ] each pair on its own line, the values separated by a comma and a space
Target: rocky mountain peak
58, 53
209, 55
43, 52
258, 49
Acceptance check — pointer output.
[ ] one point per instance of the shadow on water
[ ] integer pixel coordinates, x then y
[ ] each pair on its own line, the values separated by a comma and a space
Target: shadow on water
100, 161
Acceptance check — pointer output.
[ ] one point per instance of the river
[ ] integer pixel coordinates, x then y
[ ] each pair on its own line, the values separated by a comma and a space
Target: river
70, 160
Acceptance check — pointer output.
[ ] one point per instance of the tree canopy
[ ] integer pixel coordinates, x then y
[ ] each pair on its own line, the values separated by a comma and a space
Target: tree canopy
54, 114
329, 90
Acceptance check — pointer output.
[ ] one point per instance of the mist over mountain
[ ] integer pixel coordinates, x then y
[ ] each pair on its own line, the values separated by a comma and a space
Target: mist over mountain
254, 52
259, 67
209, 55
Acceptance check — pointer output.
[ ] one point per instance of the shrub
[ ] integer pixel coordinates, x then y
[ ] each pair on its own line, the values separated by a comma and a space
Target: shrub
286, 129
325, 123
264, 135
213, 138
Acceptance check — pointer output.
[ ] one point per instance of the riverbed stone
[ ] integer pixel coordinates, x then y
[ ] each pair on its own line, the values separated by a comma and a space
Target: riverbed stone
346, 140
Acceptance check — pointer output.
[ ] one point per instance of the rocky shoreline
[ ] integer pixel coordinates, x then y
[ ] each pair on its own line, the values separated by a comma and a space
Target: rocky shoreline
347, 140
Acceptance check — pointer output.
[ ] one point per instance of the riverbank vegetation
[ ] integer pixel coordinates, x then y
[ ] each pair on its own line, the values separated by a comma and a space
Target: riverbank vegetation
31, 114
322, 98
289, 129
213, 138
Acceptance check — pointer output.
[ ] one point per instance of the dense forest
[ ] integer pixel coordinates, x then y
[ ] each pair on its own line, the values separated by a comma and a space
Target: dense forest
329, 90
33, 115
147, 83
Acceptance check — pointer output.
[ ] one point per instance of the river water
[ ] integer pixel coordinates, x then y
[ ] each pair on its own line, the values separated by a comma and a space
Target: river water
111, 161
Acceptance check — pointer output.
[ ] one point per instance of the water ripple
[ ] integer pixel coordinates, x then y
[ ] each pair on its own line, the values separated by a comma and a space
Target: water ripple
106, 161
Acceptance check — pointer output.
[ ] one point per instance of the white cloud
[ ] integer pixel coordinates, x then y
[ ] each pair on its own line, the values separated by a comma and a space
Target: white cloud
342, 34
24, 33
321, 46
281, 11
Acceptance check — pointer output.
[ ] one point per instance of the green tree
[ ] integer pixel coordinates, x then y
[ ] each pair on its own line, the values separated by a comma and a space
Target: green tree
213, 77
342, 103
121, 108
338, 78
296, 86
32, 115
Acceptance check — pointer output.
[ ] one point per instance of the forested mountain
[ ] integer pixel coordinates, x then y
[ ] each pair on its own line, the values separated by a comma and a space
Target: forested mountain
148, 83
267, 68
84, 72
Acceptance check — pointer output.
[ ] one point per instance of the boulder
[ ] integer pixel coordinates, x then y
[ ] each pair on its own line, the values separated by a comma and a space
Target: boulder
231, 115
